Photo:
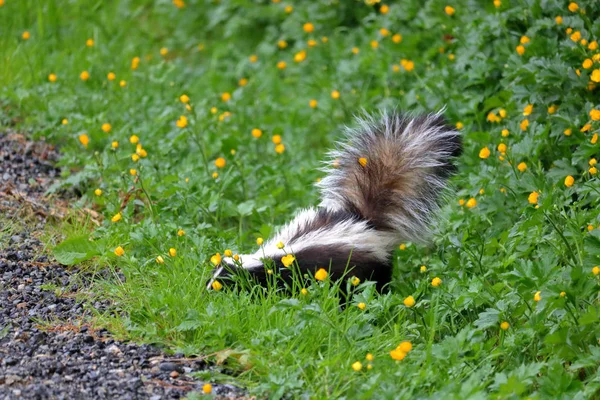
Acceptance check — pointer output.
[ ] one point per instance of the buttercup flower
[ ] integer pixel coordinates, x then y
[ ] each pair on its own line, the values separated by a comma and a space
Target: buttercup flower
220, 162
361, 306
533, 197
25, 35
335, 95
520, 50
98, 192
522, 167
435, 282
106, 127
84, 76
313, 103
409, 301
471, 202
397, 38
84, 140
449, 10
397, 355
119, 251
256, 133
216, 285
321, 274
537, 296
216, 259
89, 42
116, 218
52, 77
484, 153
287, 260
308, 27
362, 161
528, 109
355, 281
569, 180
160, 260
357, 366
504, 326
259, 241
384, 9
280, 148
573, 7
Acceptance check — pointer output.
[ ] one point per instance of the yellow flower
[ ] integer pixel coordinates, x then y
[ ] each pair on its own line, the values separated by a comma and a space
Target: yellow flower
324, 39
179, 3
135, 62
369, 357
405, 347
65, 121
243, 82
423, 268
220, 162
596, 270
522, 167
282, 44
216, 285
408, 65
576, 36
280, 148
357, 366
355, 281
397, 38
135, 157
303, 291
505, 132
528, 109
563, 294
459, 125
396, 68
259, 241
133, 172
592, 162
300, 56
397, 355
593, 45
402, 247
281, 64
116, 218
461, 202
595, 115
215, 175
355, 50
111, 76
504, 326
552, 109
537, 296
590, 228
533, 197
449, 10
288, 9
98, 192
141, 152
569, 180
256, 133
435, 282
313, 103
361, 306
502, 148
182, 122
520, 50
253, 58
84, 139
123, 83
593, 170
180, 232
492, 117
52, 77
321, 274
587, 63
26, 35
481, 191
226, 96
409, 301
384, 32
362, 161
524, 124
84, 76
276, 139
569, 30
567, 132
106, 127
228, 253
573, 7
288, 260
164, 51
524, 39
558, 20
184, 98
335, 95
119, 251
594, 139
374, 44
160, 260
502, 113
384, 9
216, 259
497, 3
89, 42
280, 245
308, 27
471, 202
133, 139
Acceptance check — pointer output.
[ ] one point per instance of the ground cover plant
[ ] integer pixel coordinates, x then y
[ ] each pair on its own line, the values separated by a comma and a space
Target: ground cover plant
193, 128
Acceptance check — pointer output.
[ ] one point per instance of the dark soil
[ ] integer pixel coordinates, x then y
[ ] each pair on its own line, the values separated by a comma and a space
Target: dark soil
48, 350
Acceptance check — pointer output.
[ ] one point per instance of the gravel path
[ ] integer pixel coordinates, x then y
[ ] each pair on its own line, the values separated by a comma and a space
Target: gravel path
66, 358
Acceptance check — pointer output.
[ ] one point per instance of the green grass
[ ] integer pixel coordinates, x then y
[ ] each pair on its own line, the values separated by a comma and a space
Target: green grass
492, 258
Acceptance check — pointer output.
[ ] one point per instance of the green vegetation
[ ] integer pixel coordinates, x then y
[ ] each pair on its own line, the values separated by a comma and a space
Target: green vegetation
517, 243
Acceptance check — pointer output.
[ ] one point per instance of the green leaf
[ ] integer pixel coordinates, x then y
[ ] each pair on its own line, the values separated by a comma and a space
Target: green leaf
75, 250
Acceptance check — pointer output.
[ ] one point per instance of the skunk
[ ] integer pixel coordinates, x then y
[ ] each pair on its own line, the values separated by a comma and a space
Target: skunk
382, 188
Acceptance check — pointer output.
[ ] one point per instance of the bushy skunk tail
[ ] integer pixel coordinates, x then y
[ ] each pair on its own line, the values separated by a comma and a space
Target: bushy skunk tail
382, 187
391, 171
